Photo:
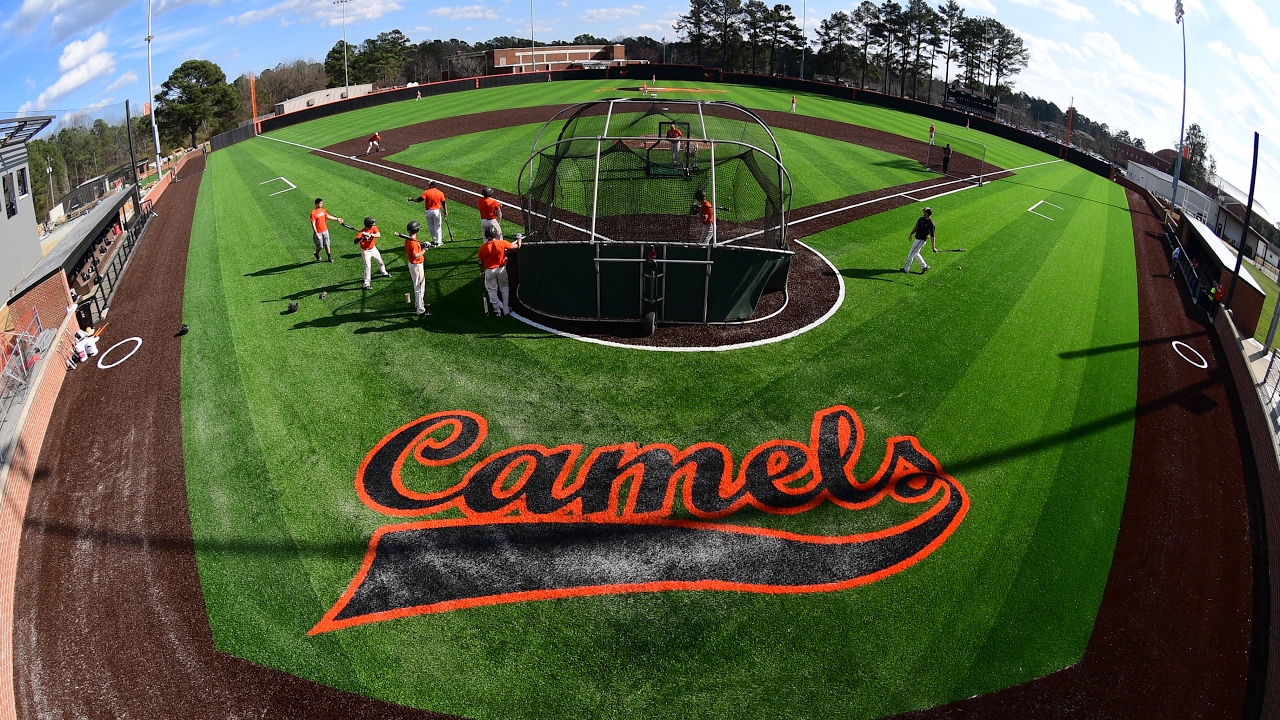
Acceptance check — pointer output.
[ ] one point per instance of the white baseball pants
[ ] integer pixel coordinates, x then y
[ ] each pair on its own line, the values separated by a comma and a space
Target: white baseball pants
914, 255
496, 224
419, 279
372, 253
433, 225
495, 283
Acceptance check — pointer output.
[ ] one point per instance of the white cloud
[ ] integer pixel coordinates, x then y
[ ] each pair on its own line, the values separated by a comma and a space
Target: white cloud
1128, 5
89, 69
1254, 23
125, 79
1062, 8
321, 11
78, 51
599, 14
1218, 48
66, 17
464, 12
164, 6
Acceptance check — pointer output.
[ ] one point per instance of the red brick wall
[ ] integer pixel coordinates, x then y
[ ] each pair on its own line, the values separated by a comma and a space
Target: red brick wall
34, 419
50, 299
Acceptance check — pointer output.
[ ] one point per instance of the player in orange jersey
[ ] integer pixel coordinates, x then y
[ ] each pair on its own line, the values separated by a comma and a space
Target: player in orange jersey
703, 207
674, 135
415, 254
493, 258
375, 143
435, 206
320, 228
367, 239
490, 213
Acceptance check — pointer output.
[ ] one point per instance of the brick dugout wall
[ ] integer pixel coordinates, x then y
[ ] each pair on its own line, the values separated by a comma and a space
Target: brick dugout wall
50, 299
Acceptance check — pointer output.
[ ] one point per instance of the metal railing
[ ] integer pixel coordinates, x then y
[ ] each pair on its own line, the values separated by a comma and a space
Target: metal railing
20, 349
1269, 390
93, 309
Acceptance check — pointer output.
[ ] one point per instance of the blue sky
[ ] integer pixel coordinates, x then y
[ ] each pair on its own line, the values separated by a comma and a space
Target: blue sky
1119, 59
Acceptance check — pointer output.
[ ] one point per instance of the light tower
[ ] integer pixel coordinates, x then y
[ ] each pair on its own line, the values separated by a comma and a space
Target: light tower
1178, 14
151, 92
346, 79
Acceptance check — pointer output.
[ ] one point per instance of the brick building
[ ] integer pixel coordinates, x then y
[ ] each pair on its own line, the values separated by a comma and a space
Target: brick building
544, 58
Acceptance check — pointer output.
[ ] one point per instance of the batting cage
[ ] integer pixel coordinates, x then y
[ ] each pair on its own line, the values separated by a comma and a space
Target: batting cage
661, 211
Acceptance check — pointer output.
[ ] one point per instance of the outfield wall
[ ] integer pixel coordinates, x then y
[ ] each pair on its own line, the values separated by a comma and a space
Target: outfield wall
691, 73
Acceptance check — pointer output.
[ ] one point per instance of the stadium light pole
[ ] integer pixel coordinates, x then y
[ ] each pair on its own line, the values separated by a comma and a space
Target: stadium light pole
804, 37
346, 78
533, 44
151, 96
1178, 13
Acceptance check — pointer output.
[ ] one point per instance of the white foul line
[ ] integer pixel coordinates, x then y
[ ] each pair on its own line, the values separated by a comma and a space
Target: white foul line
286, 182
421, 177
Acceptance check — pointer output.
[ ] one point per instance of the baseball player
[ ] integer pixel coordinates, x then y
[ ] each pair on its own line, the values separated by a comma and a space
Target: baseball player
931, 131
490, 213
793, 104
434, 206
493, 257
367, 239
320, 229
415, 254
703, 207
922, 232
375, 143
674, 135
946, 159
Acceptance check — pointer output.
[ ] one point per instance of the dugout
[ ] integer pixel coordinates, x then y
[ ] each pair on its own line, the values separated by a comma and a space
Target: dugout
610, 233
1207, 260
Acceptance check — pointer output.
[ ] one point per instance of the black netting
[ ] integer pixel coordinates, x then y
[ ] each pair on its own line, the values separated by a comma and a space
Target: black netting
647, 179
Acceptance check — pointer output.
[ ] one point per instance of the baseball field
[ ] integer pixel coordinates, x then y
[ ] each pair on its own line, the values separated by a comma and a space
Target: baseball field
404, 507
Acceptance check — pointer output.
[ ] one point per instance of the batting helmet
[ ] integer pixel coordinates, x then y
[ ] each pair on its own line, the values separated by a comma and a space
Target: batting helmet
369, 222
700, 195
413, 227
488, 192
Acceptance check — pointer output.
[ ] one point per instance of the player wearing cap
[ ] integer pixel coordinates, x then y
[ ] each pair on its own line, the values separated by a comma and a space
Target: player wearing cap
923, 231
320, 229
931, 131
415, 254
703, 207
946, 159
793, 104
375, 143
493, 258
367, 239
434, 206
490, 213
674, 135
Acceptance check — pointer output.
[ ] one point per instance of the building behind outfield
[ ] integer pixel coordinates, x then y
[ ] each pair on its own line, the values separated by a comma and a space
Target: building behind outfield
545, 58
19, 237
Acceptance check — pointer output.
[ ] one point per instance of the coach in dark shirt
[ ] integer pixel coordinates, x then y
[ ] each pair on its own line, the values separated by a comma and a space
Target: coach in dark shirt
920, 234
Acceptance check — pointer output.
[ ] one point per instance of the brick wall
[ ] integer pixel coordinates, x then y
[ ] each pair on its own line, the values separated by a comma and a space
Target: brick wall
50, 299
15, 478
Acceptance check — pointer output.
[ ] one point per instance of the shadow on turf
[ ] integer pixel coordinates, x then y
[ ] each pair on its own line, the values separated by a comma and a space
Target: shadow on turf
277, 269
1089, 352
871, 274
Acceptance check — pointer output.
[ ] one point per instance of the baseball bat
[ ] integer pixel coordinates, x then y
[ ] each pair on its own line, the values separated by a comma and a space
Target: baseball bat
450, 229
346, 226
98, 332
402, 236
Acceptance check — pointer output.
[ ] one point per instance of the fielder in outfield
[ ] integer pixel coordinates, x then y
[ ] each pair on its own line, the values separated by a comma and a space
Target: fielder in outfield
920, 234
434, 206
375, 143
493, 257
367, 239
320, 229
415, 254
490, 213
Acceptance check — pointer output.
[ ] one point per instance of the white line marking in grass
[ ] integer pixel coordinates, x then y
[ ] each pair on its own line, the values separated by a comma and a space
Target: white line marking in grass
720, 348
910, 198
424, 178
1203, 364
286, 182
1032, 209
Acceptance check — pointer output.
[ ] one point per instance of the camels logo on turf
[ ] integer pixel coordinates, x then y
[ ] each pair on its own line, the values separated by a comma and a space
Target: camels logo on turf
533, 529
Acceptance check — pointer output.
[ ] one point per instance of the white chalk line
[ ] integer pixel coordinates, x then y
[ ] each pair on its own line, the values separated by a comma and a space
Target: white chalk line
286, 182
427, 179
137, 344
717, 348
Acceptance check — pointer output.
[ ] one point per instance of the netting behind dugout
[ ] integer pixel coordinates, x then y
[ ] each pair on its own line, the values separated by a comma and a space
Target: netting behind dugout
645, 190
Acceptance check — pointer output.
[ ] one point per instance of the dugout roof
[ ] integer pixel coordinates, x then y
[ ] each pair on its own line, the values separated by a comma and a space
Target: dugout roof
16, 131
1225, 254
64, 255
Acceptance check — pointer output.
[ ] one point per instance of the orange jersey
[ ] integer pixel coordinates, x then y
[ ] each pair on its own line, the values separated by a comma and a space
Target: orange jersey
321, 219
433, 198
414, 252
367, 238
493, 254
708, 212
376, 137
674, 132
489, 208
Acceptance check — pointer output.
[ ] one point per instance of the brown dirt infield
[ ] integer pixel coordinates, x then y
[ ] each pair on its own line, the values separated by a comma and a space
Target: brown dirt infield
111, 621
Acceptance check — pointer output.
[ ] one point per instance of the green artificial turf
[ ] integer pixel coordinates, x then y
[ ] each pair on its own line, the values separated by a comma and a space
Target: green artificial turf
821, 168
979, 359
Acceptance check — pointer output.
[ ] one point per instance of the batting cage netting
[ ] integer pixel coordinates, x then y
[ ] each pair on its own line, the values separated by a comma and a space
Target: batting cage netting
660, 211
630, 171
